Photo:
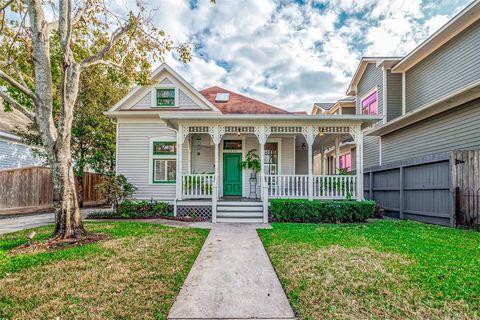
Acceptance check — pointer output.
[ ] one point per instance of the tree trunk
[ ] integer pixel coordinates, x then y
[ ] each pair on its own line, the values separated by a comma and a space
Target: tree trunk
68, 223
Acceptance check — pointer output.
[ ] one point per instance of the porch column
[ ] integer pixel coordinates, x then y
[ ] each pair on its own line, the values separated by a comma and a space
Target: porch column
310, 133
322, 154
216, 133
262, 133
180, 139
357, 135
337, 155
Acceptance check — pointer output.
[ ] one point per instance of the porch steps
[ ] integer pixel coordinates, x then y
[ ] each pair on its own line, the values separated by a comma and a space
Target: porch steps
240, 211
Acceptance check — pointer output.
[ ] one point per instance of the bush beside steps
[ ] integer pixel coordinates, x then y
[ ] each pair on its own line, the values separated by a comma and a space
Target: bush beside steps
322, 211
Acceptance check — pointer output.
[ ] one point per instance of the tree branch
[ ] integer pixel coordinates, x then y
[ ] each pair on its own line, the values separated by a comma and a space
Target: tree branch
5, 5
26, 91
16, 105
116, 35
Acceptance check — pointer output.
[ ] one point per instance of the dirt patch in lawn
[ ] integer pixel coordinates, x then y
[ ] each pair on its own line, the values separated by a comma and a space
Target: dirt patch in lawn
49, 245
355, 283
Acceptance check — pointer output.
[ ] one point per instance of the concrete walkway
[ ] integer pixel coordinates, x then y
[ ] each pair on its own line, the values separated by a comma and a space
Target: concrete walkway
13, 224
232, 278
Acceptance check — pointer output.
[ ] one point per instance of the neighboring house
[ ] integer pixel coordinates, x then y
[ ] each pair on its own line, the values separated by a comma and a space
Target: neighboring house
429, 102
13, 153
325, 161
184, 146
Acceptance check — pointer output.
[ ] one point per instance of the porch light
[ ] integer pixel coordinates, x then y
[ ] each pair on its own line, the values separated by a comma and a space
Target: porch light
304, 146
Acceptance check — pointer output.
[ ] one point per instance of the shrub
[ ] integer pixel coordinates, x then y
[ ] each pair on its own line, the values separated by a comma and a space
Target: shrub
115, 189
379, 212
138, 209
328, 211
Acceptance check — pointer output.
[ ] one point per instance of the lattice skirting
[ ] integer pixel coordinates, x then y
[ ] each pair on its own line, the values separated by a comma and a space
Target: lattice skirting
203, 212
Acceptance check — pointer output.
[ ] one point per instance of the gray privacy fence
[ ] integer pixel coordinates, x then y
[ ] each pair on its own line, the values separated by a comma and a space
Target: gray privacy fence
418, 189
441, 188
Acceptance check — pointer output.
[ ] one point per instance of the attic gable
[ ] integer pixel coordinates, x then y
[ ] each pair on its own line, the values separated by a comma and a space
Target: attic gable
169, 91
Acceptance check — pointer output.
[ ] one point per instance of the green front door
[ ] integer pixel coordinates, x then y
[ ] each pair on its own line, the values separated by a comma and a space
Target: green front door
232, 174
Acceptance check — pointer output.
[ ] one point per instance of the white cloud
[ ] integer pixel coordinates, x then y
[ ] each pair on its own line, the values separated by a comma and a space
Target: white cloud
287, 54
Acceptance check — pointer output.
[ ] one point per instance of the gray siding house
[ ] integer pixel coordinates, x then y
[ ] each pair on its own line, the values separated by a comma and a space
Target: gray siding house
430, 104
429, 107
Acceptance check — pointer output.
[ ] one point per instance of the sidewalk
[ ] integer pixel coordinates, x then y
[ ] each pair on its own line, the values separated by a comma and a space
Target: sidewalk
232, 278
13, 224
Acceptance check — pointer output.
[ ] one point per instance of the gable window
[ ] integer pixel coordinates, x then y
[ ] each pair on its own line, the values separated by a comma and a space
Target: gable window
369, 104
345, 162
165, 97
164, 162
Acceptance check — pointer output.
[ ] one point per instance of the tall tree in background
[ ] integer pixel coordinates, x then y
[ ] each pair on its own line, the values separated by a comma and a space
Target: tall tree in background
42, 79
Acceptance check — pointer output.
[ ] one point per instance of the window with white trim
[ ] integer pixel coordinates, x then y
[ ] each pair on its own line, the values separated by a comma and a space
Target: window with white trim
164, 162
369, 104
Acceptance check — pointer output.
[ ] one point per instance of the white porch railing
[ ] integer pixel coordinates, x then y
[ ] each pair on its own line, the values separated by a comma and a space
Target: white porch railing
287, 186
324, 186
334, 187
197, 186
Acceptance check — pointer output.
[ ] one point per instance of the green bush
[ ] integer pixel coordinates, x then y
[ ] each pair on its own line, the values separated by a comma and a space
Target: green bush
135, 209
327, 211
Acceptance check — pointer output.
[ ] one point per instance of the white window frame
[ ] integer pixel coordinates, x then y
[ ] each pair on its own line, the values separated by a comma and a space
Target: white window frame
152, 157
164, 86
365, 96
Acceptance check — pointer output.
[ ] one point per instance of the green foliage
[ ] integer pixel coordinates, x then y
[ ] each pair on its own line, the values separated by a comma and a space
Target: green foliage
328, 211
115, 189
135, 209
252, 161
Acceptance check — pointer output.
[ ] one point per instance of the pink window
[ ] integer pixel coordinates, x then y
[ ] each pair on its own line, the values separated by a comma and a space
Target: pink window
345, 162
369, 104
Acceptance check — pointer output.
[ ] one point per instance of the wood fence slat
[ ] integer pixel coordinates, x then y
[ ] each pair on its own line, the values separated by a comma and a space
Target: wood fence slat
27, 190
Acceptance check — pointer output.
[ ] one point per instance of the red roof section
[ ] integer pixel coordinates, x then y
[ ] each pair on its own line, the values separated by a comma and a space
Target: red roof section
239, 104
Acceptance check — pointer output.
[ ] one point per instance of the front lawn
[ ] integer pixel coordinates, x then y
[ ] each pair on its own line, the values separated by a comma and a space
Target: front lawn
136, 274
378, 270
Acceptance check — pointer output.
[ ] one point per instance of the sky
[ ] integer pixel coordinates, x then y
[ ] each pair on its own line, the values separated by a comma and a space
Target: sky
292, 53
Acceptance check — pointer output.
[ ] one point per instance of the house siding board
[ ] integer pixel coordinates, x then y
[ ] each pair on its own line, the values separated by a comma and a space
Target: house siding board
394, 95
453, 66
371, 78
455, 129
15, 155
371, 151
133, 158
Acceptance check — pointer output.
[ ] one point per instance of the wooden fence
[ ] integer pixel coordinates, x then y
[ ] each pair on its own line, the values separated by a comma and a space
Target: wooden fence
29, 190
418, 189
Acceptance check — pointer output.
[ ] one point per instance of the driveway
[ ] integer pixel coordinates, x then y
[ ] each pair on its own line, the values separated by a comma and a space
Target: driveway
232, 278
13, 224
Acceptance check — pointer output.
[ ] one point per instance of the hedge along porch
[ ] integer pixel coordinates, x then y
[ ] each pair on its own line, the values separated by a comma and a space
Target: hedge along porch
213, 174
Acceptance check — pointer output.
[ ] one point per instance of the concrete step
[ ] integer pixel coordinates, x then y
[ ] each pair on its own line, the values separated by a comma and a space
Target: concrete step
239, 220
239, 203
239, 208
239, 214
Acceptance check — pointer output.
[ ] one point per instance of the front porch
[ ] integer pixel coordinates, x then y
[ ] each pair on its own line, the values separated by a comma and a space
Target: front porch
208, 176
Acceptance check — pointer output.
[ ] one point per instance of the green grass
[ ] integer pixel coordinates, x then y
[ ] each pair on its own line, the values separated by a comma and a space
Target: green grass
137, 273
383, 269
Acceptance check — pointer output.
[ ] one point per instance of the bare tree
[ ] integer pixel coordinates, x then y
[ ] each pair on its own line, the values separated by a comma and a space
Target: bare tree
42, 80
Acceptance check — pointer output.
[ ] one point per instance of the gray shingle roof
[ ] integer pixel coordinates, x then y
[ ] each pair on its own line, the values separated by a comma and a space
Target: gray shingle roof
325, 105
